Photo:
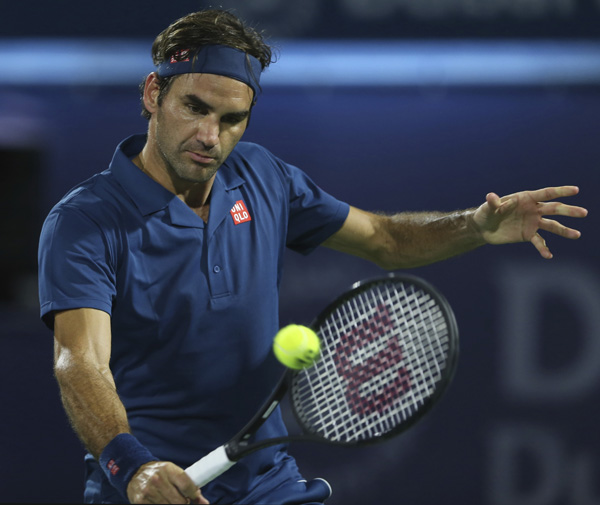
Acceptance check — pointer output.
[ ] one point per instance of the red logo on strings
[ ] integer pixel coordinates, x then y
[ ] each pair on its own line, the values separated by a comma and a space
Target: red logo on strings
364, 403
240, 213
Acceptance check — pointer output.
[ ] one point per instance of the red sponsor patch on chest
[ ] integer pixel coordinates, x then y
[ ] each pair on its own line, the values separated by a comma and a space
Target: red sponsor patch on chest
240, 213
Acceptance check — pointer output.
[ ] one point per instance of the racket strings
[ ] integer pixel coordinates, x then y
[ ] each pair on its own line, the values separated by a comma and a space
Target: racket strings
384, 353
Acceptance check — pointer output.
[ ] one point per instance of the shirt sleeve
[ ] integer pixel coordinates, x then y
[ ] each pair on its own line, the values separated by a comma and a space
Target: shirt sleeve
314, 215
75, 267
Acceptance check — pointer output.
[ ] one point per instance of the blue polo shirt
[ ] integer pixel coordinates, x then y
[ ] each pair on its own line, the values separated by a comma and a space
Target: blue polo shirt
194, 306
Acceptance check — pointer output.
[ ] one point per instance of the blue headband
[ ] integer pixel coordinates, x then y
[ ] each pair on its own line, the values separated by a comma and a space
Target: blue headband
215, 59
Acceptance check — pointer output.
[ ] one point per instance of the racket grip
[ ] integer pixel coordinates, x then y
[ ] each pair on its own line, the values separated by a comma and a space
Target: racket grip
209, 467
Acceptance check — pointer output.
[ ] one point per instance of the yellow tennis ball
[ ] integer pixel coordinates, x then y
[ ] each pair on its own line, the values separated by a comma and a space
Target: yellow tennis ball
296, 346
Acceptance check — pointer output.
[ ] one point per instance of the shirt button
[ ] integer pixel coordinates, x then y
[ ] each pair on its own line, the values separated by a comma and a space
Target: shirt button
216, 269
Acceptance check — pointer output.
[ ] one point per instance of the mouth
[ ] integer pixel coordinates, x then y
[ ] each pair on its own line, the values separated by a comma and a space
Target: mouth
200, 157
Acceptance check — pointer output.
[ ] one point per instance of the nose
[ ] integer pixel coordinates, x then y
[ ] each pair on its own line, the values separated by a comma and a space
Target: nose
208, 132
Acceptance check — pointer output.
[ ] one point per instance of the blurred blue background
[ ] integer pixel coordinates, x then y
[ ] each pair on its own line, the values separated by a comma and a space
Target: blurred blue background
389, 105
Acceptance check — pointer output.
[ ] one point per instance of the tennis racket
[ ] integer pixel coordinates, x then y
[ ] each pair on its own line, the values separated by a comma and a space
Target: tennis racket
389, 349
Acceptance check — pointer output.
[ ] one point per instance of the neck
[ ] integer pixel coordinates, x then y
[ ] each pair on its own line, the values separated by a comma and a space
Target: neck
195, 195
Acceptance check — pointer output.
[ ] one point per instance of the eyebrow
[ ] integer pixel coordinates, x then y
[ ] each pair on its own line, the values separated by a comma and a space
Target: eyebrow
238, 116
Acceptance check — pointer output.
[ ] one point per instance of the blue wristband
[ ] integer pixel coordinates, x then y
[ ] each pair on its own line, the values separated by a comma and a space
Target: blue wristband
121, 458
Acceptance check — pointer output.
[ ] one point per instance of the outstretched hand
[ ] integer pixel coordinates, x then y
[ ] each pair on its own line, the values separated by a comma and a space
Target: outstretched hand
519, 217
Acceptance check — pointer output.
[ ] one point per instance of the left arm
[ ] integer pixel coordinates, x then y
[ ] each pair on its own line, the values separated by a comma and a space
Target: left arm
412, 239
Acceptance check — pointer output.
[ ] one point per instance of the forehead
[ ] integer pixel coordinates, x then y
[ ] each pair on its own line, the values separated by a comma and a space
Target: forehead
219, 89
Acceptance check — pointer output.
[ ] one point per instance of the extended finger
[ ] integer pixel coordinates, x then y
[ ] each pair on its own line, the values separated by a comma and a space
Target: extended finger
540, 244
551, 193
558, 229
561, 209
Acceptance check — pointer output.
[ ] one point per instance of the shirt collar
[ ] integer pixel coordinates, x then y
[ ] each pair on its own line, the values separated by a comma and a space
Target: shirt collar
148, 195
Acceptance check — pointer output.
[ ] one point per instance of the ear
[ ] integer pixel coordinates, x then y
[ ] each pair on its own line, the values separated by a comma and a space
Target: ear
151, 91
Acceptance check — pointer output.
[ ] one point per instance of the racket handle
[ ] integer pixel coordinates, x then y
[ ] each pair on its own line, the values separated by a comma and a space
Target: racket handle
209, 467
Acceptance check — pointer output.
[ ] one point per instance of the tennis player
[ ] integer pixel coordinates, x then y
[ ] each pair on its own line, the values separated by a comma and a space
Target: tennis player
160, 275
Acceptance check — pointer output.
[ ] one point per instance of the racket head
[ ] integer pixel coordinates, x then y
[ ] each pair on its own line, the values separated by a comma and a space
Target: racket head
389, 350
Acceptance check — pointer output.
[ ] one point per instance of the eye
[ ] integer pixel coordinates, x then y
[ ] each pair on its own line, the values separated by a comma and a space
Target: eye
194, 109
234, 119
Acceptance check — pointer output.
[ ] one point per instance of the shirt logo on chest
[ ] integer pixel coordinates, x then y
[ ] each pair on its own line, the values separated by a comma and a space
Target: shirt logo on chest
240, 213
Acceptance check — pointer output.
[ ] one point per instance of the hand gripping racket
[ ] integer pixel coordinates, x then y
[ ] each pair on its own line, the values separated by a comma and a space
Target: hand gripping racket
389, 349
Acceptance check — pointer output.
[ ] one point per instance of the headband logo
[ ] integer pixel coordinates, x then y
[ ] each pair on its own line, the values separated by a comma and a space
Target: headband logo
215, 59
181, 55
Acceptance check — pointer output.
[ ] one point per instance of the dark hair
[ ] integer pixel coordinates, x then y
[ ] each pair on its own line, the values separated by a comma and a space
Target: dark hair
206, 27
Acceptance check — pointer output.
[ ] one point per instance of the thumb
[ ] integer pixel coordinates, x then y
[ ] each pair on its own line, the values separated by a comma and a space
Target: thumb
493, 201
507, 206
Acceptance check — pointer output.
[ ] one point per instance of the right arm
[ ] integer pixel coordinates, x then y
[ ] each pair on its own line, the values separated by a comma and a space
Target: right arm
82, 346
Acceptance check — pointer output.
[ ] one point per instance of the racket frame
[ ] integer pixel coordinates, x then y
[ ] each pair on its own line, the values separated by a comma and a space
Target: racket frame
448, 373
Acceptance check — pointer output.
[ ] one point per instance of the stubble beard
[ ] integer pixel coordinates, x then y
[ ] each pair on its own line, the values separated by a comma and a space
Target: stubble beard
184, 169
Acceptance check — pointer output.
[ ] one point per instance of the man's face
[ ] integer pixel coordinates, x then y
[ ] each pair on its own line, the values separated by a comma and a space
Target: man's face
201, 119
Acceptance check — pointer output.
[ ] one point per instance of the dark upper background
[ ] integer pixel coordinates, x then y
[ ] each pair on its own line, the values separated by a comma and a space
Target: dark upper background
391, 19
389, 105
